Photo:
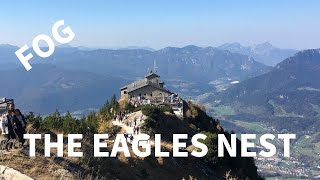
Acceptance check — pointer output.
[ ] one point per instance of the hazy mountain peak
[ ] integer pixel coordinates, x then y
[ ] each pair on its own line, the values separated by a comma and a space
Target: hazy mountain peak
234, 47
186, 48
310, 51
267, 45
307, 55
300, 59
7, 46
65, 46
265, 52
136, 47
191, 47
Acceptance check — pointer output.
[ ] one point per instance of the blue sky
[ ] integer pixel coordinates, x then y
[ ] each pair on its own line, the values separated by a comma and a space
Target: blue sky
157, 24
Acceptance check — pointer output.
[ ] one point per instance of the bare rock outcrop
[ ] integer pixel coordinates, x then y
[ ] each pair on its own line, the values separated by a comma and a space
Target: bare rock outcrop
7, 173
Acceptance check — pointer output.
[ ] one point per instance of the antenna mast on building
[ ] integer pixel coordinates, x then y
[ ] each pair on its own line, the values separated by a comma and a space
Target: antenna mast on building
155, 66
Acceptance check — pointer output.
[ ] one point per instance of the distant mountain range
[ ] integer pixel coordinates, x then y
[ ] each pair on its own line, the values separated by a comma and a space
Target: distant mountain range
186, 70
265, 53
289, 93
187, 63
189, 71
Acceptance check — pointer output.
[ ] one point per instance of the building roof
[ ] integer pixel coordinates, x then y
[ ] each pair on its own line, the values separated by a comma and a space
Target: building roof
140, 84
124, 87
152, 74
135, 85
152, 85
143, 83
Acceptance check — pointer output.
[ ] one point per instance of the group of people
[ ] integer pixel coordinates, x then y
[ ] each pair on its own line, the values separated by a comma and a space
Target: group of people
136, 128
13, 126
133, 123
120, 116
139, 101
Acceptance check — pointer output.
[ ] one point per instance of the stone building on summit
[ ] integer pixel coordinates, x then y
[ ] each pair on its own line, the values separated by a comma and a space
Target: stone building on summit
150, 90
151, 87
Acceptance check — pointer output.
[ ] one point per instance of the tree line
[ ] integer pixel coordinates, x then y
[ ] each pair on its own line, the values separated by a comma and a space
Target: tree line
71, 125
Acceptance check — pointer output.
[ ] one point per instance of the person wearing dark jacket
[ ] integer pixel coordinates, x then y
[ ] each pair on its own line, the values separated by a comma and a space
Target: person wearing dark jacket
11, 126
20, 124
21, 118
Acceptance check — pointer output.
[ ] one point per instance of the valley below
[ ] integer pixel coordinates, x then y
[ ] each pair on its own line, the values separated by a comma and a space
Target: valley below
305, 152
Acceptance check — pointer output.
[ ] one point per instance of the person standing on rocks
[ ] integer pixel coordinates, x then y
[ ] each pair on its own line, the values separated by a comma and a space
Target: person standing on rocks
134, 130
20, 123
3, 124
130, 122
11, 127
135, 121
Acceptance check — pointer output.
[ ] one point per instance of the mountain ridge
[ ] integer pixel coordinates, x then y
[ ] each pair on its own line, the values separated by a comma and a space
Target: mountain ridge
190, 71
265, 52
191, 65
289, 90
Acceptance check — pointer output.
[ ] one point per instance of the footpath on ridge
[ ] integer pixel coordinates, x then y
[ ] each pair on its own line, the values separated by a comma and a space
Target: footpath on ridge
131, 117
125, 125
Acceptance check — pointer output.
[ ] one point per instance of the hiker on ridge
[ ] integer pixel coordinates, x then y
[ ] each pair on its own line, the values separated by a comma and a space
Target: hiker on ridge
135, 121
11, 126
3, 124
134, 130
4, 129
20, 125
